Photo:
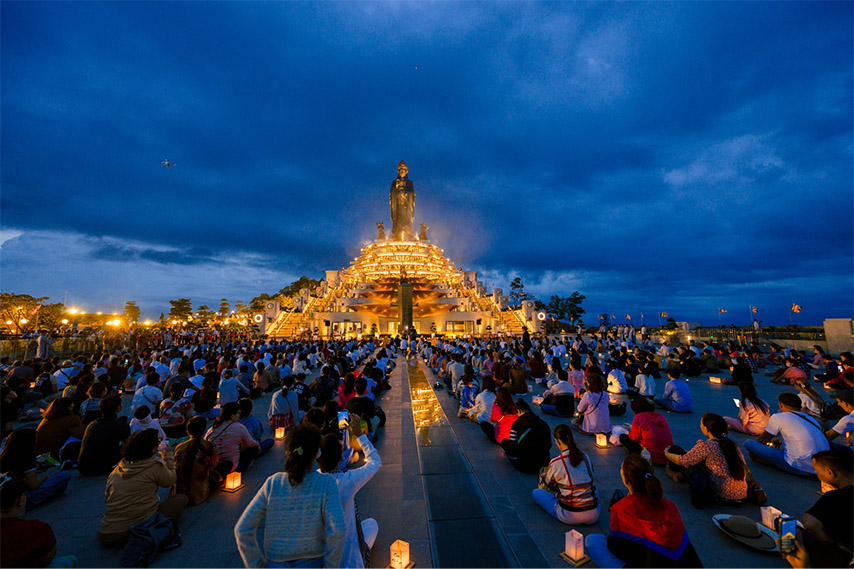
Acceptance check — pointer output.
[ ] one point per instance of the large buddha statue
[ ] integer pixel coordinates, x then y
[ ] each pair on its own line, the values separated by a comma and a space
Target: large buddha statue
401, 199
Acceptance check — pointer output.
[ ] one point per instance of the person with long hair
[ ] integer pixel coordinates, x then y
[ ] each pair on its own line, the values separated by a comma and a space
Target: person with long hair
58, 425
234, 445
592, 410
646, 528
721, 459
361, 534
482, 409
650, 431
18, 460
570, 495
301, 510
133, 485
753, 412
501, 418
195, 462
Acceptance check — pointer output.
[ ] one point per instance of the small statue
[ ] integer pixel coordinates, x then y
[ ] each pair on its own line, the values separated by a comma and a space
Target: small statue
422, 232
380, 231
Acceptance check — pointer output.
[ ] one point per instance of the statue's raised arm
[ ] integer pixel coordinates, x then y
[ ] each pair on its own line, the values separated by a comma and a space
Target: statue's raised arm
401, 199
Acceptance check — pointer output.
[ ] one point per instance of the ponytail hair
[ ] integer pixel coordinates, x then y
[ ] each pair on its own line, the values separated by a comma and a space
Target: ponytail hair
564, 434
641, 477
717, 428
301, 449
195, 428
225, 413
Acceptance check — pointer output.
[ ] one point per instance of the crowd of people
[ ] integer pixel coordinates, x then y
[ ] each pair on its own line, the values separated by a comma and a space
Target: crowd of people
590, 381
190, 424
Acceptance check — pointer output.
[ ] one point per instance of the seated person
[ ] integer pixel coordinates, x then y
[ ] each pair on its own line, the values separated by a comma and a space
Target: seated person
794, 436
483, 402
650, 431
58, 426
517, 378
501, 418
363, 406
753, 412
150, 395
559, 400
174, 412
468, 393
89, 409
567, 491
18, 461
616, 380
845, 426
530, 441
131, 494
253, 425
645, 385
790, 373
829, 524
646, 528
142, 419
677, 395
102, 442
25, 543
709, 361
592, 410
195, 462
235, 447
719, 456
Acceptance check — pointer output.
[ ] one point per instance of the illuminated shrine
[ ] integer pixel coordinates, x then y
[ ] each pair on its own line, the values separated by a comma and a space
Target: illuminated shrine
364, 298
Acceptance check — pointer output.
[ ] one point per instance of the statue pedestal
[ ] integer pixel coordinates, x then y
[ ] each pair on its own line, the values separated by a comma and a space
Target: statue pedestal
404, 309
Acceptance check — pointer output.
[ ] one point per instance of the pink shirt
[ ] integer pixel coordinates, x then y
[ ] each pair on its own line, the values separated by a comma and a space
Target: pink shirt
228, 439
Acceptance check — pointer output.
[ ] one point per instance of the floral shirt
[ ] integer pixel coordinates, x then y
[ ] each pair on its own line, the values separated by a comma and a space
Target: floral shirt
174, 412
724, 484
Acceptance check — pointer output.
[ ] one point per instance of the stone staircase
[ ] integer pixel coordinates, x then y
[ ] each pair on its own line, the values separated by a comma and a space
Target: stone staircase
510, 321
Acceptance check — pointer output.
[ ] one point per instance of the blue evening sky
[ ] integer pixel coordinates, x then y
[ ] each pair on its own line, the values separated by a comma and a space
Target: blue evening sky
679, 157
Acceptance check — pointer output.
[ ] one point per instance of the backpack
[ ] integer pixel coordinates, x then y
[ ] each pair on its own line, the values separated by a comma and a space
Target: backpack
148, 538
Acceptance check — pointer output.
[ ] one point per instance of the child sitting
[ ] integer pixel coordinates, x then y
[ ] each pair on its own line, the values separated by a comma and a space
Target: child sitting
142, 420
253, 425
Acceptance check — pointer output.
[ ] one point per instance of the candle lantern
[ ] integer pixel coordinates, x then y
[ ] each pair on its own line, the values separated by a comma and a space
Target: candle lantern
573, 552
280, 433
601, 440
714, 380
769, 516
400, 555
233, 482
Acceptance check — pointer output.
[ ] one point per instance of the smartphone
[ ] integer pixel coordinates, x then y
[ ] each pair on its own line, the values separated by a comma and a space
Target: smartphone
737, 402
343, 419
788, 530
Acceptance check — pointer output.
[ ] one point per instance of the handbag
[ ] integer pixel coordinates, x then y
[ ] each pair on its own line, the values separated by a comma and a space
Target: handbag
148, 538
755, 494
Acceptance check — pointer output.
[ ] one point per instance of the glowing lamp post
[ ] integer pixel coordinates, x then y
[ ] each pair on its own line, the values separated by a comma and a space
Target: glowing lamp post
400, 555
573, 551
601, 440
233, 483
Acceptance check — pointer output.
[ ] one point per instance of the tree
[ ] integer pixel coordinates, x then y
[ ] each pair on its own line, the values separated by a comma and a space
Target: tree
671, 323
131, 312
240, 307
224, 307
605, 319
293, 289
257, 303
205, 313
517, 290
181, 309
566, 308
20, 311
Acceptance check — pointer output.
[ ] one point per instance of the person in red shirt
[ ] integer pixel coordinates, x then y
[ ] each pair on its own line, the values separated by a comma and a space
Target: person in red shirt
502, 417
649, 430
24, 543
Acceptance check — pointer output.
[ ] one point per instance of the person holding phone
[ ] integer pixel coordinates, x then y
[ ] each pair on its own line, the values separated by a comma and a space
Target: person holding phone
753, 412
828, 539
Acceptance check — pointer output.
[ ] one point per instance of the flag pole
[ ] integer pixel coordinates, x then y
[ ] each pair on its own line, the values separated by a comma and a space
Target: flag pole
790, 314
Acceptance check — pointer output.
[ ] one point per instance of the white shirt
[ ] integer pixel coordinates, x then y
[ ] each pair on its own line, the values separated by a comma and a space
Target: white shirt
801, 440
617, 381
645, 385
845, 424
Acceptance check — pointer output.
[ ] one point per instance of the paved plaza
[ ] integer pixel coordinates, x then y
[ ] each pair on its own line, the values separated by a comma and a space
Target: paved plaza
448, 492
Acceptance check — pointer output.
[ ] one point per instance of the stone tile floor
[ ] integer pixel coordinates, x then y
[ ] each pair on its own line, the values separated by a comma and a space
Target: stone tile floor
396, 498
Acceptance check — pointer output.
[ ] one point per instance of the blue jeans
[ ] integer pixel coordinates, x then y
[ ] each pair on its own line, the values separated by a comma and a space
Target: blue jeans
772, 456
266, 445
53, 486
670, 406
597, 550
